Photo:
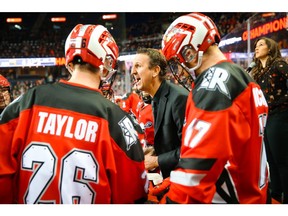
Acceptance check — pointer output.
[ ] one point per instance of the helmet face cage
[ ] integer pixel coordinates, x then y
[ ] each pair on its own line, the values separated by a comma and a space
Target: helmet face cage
106, 85
107, 70
109, 63
180, 73
188, 53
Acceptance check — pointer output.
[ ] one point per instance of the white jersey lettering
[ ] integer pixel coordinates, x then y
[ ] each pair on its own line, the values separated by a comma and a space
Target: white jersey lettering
67, 126
259, 98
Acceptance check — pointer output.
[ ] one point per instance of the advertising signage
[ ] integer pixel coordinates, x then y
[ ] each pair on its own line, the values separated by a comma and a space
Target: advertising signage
275, 26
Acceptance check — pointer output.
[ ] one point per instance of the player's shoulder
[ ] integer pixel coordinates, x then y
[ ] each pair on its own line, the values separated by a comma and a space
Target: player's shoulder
217, 87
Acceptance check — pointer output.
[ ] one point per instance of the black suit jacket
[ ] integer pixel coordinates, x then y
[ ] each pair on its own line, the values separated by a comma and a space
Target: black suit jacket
168, 126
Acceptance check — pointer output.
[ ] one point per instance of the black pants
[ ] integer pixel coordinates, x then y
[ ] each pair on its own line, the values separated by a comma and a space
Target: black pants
276, 143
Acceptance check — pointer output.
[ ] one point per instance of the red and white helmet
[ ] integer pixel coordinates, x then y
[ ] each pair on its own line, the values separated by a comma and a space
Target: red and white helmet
4, 87
4, 83
191, 33
94, 44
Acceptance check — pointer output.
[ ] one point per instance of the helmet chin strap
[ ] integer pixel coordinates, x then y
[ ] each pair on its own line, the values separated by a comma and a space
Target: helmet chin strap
199, 62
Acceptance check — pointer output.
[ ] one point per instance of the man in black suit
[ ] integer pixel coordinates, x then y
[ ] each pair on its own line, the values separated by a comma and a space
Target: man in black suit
169, 103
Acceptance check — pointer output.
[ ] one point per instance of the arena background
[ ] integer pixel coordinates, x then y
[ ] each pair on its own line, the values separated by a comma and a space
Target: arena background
112, 6
32, 43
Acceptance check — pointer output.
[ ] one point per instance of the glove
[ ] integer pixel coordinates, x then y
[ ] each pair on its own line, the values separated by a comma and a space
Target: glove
160, 190
151, 198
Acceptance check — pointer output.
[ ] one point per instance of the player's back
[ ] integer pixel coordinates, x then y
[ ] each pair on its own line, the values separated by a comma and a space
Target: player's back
222, 149
237, 121
71, 145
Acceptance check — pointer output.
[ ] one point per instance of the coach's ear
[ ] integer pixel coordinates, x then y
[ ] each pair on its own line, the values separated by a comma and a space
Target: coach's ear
156, 71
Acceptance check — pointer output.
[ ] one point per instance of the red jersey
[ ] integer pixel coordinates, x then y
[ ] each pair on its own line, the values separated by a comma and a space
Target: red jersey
223, 158
146, 121
129, 103
66, 143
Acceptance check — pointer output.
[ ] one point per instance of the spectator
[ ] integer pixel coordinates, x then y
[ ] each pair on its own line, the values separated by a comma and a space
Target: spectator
271, 72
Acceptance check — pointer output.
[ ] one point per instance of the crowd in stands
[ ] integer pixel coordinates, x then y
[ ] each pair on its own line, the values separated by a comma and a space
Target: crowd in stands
20, 87
49, 39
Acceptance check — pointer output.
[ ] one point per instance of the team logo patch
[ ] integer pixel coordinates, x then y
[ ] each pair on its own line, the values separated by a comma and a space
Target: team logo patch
216, 79
129, 132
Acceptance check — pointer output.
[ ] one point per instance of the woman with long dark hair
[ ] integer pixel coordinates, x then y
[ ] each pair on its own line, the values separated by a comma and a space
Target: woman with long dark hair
271, 73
